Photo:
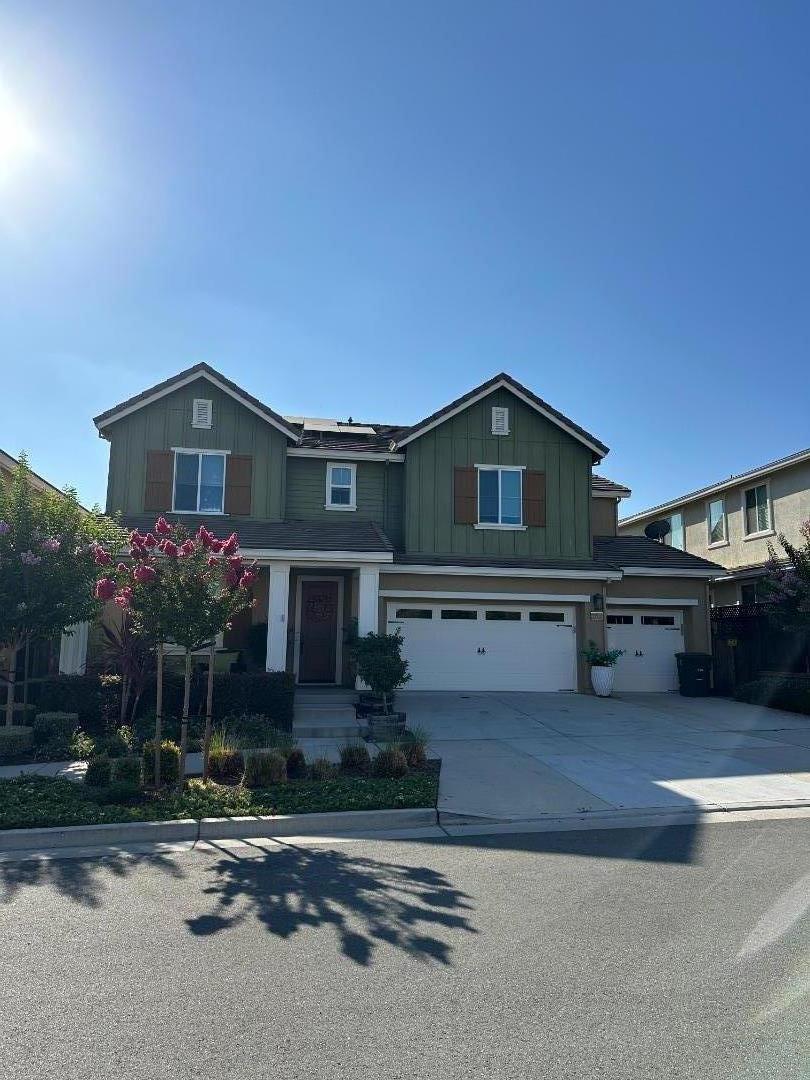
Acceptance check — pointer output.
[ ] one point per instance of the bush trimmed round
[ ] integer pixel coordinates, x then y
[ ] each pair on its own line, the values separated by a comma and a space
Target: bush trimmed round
355, 758
390, 764
226, 765
169, 761
322, 769
264, 768
99, 771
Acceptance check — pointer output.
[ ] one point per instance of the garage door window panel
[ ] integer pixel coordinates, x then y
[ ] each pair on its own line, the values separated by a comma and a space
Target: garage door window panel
546, 616
458, 613
657, 620
620, 620
414, 613
502, 616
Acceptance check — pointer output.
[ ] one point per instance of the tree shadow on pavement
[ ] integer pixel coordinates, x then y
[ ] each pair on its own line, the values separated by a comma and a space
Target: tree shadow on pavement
83, 880
367, 902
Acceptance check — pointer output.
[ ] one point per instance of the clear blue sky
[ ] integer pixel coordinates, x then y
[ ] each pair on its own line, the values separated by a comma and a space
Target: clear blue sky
368, 208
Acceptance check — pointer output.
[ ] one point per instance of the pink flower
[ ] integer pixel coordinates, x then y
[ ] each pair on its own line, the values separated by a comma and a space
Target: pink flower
162, 527
145, 574
121, 600
212, 560
204, 537
231, 545
170, 549
187, 547
247, 579
105, 589
126, 591
122, 568
232, 578
102, 557
215, 545
235, 562
149, 540
52, 545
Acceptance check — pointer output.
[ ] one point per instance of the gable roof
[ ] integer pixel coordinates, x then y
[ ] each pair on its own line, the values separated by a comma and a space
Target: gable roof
406, 435
39, 483
216, 378
600, 485
733, 481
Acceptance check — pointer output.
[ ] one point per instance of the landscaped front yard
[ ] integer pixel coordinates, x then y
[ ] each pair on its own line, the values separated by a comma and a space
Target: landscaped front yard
36, 802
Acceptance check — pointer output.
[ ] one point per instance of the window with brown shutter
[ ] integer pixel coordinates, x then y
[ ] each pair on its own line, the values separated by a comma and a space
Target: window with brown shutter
238, 484
534, 498
159, 471
465, 495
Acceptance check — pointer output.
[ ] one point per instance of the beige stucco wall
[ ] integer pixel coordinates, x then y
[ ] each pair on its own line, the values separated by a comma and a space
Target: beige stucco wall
790, 506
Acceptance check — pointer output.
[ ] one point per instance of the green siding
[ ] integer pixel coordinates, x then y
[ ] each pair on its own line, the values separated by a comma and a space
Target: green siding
166, 423
379, 493
466, 439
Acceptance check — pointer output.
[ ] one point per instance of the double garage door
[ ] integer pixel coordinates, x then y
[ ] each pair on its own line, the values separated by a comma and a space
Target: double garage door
469, 646
650, 637
486, 646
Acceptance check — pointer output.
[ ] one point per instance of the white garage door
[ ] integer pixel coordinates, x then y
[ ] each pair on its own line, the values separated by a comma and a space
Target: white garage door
470, 646
650, 638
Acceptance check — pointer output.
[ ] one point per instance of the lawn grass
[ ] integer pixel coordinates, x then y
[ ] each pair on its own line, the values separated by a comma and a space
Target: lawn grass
28, 802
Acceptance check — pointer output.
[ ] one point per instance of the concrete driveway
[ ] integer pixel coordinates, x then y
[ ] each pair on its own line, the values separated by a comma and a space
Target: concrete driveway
518, 756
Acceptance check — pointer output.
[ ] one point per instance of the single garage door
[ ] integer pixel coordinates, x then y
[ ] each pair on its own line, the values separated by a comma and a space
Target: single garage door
650, 638
472, 646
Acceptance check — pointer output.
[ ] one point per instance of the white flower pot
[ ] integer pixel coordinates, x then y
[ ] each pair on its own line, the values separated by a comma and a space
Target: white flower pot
602, 681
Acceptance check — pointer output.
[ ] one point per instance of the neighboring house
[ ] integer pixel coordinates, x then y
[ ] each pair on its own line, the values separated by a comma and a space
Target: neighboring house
481, 533
733, 522
41, 658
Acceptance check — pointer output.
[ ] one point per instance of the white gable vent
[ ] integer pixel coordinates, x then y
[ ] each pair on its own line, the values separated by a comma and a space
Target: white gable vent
201, 413
500, 420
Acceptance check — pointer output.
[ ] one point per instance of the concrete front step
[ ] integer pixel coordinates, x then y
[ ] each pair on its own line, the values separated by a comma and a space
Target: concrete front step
327, 731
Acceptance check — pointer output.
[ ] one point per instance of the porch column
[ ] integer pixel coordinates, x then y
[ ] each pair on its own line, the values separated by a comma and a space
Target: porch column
277, 604
73, 650
368, 600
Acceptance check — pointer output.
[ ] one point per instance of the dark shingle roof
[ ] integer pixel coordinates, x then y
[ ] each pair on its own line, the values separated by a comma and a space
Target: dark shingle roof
336, 535
506, 379
197, 369
611, 487
639, 551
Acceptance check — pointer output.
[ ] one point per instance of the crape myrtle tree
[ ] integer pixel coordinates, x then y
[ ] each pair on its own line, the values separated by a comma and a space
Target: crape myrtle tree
46, 565
178, 589
787, 585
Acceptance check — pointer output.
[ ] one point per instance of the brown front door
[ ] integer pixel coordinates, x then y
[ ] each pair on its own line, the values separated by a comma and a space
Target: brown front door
319, 623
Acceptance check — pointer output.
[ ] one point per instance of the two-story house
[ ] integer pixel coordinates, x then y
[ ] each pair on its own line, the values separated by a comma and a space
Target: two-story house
733, 522
481, 533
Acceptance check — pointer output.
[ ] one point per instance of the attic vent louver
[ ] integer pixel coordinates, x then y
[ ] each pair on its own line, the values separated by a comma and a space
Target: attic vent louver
500, 420
201, 413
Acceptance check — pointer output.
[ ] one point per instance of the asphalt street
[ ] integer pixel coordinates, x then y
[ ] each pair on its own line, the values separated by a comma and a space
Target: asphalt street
677, 952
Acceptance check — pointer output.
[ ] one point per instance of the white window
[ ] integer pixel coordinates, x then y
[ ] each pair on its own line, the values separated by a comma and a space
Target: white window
757, 510
717, 522
341, 486
500, 420
201, 413
500, 497
199, 481
676, 534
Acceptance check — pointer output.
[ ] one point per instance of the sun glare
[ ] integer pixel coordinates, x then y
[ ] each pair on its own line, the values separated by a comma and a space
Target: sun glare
18, 140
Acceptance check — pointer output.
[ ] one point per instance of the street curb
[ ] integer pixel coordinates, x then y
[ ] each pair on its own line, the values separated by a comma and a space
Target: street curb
138, 832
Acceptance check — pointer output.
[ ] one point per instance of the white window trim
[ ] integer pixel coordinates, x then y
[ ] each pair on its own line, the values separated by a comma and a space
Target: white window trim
760, 533
217, 453
209, 402
352, 467
502, 526
716, 543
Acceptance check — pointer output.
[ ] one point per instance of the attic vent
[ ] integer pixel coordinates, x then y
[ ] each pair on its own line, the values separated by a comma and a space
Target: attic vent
500, 420
201, 413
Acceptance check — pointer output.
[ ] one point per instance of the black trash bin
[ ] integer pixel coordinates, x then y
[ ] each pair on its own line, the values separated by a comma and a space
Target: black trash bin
694, 673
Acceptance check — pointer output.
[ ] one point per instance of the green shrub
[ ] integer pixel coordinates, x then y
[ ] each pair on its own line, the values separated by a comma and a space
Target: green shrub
117, 793
93, 699
414, 744
99, 771
127, 770
205, 798
16, 740
114, 745
265, 767
296, 764
56, 749
226, 764
322, 769
82, 746
169, 761
54, 725
380, 664
245, 694
390, 764
354, 757
791, 694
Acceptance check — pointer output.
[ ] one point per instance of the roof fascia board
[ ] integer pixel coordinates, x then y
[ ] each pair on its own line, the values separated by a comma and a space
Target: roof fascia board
725, 485
500, 384
503, 571
121, 413
347, 455
660, 571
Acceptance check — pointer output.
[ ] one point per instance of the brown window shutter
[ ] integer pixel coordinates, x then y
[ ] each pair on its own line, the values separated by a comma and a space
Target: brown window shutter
238, 484
534, 498
465, 495
159, 475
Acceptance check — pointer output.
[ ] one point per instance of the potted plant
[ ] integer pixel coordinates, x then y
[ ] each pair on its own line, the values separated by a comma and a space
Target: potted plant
379, 663
602, 665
